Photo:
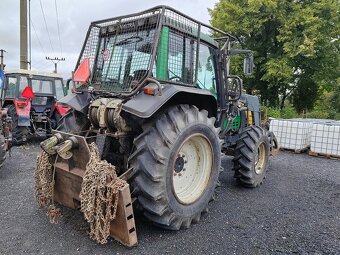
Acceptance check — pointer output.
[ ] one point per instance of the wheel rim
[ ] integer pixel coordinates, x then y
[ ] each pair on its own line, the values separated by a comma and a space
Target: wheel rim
192, 168
260, 159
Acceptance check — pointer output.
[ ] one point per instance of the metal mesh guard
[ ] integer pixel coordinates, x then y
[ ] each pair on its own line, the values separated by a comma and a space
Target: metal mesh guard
123, 50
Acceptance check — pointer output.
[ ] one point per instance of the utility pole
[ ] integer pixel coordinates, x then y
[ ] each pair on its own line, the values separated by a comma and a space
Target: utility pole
2, 66
23, 34
55, 62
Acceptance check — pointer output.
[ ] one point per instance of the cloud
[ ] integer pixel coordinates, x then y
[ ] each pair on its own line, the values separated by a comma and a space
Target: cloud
75, 17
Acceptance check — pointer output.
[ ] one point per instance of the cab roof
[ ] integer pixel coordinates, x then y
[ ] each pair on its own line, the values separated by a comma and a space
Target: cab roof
35, 73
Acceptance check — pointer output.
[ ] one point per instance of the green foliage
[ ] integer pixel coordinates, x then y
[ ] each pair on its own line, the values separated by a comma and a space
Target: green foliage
317, 115
277, 113
295, 43
289, 113
305, 95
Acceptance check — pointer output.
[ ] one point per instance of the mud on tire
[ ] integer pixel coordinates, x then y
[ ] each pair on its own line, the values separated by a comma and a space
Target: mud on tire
251, 157
157, 161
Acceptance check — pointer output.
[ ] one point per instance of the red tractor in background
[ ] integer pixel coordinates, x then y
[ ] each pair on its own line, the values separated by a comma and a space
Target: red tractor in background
31, 98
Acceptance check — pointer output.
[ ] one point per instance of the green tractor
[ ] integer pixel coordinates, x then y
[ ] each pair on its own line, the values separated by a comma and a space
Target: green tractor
154, 108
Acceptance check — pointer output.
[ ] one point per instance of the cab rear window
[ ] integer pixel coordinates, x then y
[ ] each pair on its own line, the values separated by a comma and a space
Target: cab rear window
42, 86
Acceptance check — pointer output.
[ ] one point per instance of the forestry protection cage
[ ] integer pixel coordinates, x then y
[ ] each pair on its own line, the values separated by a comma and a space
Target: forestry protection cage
161, 43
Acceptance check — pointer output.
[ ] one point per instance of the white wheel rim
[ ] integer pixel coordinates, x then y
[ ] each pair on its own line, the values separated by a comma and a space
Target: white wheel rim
260, 159
191, 180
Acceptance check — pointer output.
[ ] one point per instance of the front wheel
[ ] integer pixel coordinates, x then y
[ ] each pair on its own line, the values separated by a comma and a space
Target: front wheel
176, 166
251, 157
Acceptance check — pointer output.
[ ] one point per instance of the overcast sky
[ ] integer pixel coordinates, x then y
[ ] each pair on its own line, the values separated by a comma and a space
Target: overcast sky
74, 19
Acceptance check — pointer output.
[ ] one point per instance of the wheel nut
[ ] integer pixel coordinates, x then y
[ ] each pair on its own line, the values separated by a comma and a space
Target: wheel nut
183, 169
185, 161
175, 173
179, 174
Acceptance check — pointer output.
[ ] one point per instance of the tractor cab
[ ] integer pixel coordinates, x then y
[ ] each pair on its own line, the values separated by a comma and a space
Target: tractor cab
31, 98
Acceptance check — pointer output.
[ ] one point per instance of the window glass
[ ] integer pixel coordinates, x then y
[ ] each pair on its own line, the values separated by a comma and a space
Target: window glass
59, 89
11, 87
123, 60
42, 86
206, 72
23, 84
182, 58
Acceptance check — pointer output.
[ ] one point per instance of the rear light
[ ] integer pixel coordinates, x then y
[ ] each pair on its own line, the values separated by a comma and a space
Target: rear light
149, 91
22, 104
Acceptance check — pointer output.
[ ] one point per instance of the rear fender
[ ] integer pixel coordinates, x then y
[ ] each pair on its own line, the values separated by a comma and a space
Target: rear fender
145, 106
79, 101
23, 109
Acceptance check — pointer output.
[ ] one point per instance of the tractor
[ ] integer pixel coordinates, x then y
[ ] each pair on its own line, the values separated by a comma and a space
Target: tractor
153, 110
31, 98
5, 128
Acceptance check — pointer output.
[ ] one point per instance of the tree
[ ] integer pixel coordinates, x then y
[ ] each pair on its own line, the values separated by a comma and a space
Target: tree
295, 45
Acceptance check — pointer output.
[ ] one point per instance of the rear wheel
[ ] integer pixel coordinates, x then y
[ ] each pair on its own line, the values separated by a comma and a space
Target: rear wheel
251, 157
19, 134
73, 122
2, 150
176, 166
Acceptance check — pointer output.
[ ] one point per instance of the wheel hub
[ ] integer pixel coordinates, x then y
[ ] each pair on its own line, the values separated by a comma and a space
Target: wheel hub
179, 164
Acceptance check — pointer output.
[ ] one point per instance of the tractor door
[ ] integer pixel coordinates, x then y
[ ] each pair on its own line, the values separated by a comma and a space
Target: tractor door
206, 78
60, 89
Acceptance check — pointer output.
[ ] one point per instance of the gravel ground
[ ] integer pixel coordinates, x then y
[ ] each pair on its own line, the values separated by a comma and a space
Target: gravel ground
296, 210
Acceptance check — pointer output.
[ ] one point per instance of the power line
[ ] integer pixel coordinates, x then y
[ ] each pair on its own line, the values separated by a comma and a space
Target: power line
48, 33
36, 34
56, 12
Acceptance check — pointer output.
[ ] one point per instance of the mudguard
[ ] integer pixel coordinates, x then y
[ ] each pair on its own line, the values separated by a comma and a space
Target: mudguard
144, 106
78, 101
23, 113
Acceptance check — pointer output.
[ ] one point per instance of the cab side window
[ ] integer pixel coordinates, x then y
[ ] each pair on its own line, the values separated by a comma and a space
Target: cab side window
206, 72
22, 84
11, 87
182, 57
59, 89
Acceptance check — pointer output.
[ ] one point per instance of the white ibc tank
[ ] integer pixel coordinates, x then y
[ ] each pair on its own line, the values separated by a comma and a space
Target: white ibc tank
325, 138
292, 134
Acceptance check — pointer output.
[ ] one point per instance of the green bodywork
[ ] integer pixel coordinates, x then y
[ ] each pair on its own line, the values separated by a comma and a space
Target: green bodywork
163, 53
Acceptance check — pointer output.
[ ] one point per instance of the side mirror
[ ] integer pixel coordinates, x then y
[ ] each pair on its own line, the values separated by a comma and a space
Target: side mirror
234, 88
248, 65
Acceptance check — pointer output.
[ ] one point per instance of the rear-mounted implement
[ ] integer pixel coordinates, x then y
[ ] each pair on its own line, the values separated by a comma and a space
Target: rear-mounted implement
71, 155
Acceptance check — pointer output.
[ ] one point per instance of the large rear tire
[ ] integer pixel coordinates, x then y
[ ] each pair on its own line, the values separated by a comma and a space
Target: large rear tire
19, 134
176, 166
2, 150
251, 157
73, 122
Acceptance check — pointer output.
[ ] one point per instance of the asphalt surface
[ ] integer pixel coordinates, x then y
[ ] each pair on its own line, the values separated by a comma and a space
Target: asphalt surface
295, 211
